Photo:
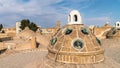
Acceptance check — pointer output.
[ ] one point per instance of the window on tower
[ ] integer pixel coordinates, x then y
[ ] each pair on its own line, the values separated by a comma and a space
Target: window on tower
75, 18
117, 24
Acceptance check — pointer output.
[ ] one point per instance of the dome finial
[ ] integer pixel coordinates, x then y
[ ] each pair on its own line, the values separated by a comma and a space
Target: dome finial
74, 17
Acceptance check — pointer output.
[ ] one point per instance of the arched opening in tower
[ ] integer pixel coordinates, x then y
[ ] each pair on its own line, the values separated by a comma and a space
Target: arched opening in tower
75, 18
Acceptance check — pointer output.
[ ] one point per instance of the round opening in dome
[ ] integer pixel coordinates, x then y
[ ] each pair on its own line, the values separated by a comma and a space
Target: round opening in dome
98, 40
53, 41
67, 31
114, 31
85, 31
78, 44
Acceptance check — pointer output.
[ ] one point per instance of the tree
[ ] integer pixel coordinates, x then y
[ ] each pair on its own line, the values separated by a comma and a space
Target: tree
24, 23
33, 26
1, 26
27, 23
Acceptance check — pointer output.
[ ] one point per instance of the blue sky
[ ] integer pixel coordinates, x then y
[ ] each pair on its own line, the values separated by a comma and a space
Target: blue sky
46, 13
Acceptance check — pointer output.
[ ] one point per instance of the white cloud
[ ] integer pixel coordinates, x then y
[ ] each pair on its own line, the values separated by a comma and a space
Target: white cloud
30, 8
42, 12
99, 19
12, 10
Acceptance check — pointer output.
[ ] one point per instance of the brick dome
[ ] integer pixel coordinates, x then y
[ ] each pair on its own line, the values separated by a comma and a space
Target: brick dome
75, 43
114, 33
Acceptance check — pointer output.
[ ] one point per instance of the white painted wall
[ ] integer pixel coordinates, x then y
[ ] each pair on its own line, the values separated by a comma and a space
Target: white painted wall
117, 24
74, 17
18, 27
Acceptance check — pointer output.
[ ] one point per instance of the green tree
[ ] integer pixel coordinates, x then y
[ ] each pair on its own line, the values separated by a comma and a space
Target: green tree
33, 26
24, 23
27, 23
1, 26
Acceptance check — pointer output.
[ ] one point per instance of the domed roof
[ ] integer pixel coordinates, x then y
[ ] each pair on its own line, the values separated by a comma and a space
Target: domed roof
107, 25
26, 33
114, 33
75, 43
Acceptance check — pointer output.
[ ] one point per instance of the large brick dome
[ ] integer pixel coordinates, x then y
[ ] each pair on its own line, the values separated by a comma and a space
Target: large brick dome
74, 43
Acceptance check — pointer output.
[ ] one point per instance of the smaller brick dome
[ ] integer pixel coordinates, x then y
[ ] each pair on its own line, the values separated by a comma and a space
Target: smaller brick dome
113, 33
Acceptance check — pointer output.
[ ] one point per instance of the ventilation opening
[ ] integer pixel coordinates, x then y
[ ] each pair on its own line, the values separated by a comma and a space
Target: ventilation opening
78, 44
117, 24
98, 40
85, 31
53, 41
67, 31
114, 31
2, 51
75, 18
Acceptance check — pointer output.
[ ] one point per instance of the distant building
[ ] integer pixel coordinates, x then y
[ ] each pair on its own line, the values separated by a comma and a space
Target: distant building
101, 32
8, 33
18, 27
51, 31
24, 40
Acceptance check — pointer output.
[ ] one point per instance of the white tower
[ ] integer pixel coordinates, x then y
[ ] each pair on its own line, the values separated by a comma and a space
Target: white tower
18, 27
74, 17
117, 24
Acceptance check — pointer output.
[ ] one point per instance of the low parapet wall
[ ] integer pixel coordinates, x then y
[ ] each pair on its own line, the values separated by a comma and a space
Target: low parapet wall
21, 51
2, 46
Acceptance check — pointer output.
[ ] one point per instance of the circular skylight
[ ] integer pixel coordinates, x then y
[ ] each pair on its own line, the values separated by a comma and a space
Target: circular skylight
67, 31
78, 44
98, 40
85, 31
53, 41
